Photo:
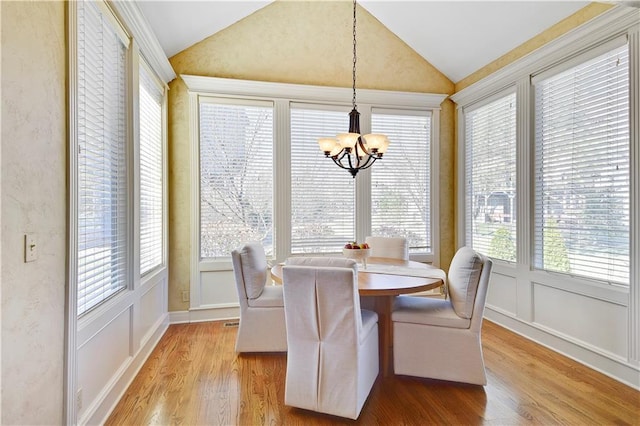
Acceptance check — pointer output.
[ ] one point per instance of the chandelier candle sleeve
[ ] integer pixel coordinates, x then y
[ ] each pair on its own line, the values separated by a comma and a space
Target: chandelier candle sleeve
352, 151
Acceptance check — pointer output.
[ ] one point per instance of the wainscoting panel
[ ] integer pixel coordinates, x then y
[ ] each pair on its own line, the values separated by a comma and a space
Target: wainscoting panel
100, 359
502, 293
598, 324
217, 288
152, 307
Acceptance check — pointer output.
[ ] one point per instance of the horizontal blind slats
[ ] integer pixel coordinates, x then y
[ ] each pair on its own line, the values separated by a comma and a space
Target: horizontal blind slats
582, 162
151, 174
236, 177
490, 164
400, 181
102, 177
322, 195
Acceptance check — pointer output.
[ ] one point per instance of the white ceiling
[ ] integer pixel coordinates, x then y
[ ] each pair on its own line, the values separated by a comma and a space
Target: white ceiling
477, 32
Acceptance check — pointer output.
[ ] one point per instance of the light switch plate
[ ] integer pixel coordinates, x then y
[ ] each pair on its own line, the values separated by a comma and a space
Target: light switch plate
30, 248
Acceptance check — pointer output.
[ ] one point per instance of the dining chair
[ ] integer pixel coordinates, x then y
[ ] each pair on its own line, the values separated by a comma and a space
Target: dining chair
440, 339
262, 325
332, 360
392, 247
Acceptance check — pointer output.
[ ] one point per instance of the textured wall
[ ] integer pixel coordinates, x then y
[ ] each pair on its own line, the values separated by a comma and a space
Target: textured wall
307, 42
580, 17
33, 201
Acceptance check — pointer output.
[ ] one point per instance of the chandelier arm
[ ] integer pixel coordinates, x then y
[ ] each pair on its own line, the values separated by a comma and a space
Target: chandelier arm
366, 164
362, 146
339, 163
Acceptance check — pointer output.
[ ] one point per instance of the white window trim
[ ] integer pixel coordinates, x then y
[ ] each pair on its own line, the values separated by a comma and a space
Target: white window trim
617, 22
146, 39
283, 95
80, 330
150, 275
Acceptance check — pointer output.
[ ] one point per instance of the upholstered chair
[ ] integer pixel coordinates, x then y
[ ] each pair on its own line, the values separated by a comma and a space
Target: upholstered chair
440, 339
332, 360
262, 325
392, 247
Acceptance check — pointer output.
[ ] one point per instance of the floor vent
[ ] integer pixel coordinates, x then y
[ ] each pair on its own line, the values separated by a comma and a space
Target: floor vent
231, 324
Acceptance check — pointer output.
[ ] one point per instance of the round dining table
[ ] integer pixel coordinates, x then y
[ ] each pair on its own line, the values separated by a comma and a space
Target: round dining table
382, 288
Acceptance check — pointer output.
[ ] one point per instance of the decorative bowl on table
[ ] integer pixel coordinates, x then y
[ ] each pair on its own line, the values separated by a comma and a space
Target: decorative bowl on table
357, 252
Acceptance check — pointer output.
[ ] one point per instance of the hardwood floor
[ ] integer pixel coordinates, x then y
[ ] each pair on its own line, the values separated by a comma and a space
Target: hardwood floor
194, 377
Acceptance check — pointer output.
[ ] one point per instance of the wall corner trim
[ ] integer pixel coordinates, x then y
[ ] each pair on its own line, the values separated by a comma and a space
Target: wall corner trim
150, 47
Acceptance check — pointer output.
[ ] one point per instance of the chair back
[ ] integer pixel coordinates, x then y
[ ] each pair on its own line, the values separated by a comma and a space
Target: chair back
468, 281
324, 323
250, 270
338, 262
391, 247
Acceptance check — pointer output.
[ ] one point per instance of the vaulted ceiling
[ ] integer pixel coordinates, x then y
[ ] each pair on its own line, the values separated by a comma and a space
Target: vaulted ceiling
478, 32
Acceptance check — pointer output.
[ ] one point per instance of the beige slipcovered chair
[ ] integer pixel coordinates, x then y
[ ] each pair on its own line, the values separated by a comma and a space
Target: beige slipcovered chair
262, 326
440, 339
393, 247
332, 360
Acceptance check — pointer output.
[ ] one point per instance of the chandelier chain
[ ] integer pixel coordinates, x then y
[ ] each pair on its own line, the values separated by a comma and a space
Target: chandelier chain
354, 54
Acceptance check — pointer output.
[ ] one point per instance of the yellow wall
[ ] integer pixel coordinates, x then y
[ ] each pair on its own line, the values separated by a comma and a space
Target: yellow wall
34, 201
580, 17
306, 42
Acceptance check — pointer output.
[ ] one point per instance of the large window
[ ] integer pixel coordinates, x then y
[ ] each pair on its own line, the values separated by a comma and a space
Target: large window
151, 172
101, 158
236, 176
400, 182
262, 176
490, 186
582, 173
322, 218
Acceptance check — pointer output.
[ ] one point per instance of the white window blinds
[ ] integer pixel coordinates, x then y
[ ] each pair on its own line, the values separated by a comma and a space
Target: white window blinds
582, 169
490, 171
236, 176
400, 181
322, 195
151, 172
101, 158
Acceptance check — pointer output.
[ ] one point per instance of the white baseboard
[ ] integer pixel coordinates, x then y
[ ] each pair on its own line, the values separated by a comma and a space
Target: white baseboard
204, 315
614, 368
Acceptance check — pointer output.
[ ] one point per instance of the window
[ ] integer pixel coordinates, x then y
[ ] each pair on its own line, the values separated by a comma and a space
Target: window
151, 172
257, 144
400, 182
236, 176
322, 218
490, 168
582, 160
101, 158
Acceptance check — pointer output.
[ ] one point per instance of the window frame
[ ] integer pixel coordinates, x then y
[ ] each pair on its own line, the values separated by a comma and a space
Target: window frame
617, 22
576, 61
74, 175
467, 234
231, 102
415, 253
341, 111
283, 96
142, 63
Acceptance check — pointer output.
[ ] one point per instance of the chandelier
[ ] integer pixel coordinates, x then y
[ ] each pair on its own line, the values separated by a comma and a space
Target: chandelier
352, 151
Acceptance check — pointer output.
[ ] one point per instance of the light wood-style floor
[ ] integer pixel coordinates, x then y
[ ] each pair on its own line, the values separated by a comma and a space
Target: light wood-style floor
194, 377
